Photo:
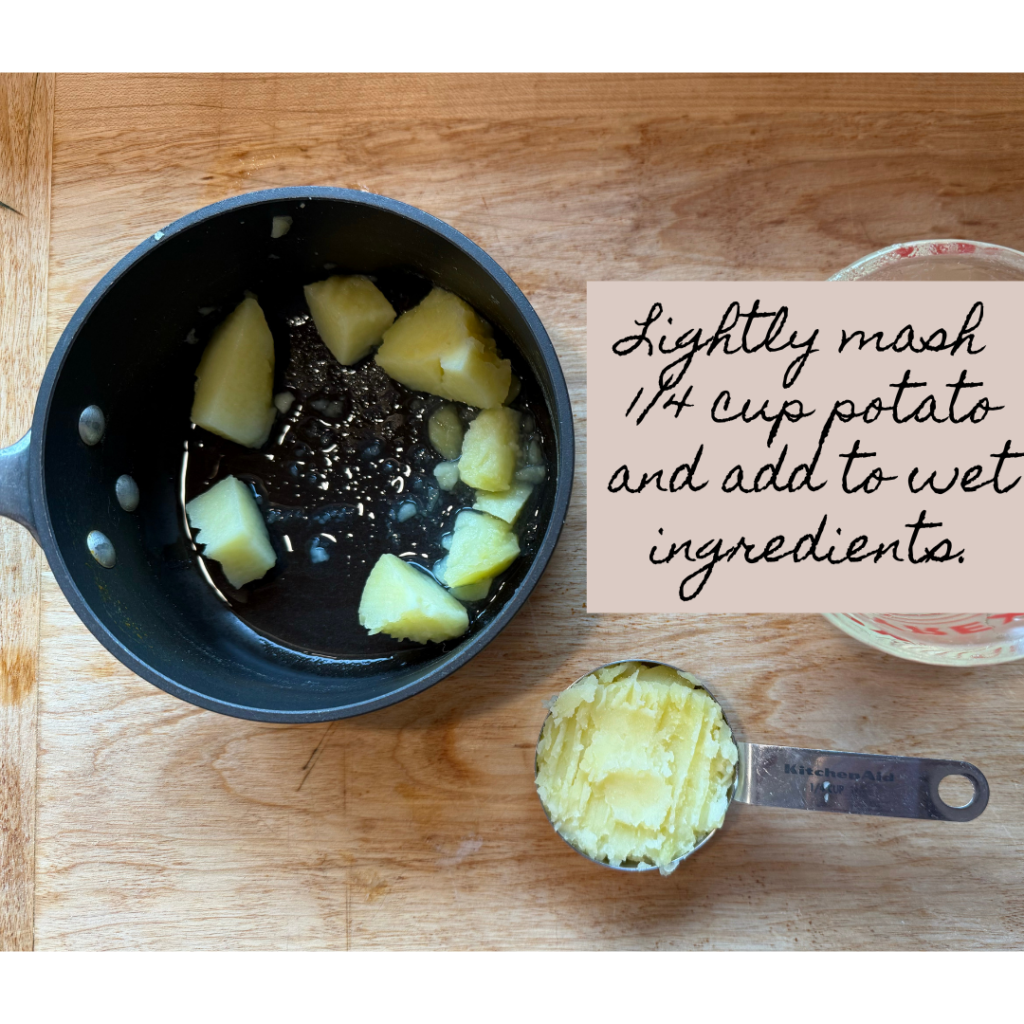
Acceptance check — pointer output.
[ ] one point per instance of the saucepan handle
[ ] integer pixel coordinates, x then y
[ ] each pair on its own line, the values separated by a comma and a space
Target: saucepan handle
15, 489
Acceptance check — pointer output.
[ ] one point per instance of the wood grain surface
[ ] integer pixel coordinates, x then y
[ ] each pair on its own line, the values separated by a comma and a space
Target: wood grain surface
26, 136
159, 825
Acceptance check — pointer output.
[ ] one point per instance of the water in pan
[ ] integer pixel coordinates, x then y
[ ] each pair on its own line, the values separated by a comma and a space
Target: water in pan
343, 468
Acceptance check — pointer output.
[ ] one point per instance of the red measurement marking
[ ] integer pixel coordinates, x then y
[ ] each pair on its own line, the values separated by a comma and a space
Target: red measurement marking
1007, 617
882, 632
973, 627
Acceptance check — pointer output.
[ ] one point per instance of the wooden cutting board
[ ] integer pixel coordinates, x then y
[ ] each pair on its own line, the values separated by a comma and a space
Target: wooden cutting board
133, 820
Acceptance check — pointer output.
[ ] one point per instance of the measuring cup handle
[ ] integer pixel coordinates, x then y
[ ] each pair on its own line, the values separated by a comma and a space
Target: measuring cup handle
835, 780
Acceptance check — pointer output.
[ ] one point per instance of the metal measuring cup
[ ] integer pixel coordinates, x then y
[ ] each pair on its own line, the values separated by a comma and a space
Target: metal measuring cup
805, 779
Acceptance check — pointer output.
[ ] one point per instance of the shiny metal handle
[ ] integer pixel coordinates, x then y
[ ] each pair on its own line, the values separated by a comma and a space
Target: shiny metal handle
834, 780
15, 487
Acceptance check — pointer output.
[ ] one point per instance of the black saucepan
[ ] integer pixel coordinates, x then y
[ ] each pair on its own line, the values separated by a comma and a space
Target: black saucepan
124, 352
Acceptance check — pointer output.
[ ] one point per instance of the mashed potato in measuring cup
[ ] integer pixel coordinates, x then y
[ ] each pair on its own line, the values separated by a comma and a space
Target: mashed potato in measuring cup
634, 765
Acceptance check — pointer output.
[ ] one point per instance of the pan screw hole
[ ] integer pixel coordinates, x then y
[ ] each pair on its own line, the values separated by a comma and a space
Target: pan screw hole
101, 549
127, 491
956, 791
91, 424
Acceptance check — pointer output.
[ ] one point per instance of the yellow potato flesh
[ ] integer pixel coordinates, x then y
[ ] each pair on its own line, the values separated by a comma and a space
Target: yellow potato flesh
232, 531
351, 315
447, 475
505, 505
490, 449
482, 547
473, 591
405, 603
445, 431
235, 379
634, 764
442, 347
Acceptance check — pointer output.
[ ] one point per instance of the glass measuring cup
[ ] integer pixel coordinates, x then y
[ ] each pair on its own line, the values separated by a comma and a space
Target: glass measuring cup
802, 778
953, 638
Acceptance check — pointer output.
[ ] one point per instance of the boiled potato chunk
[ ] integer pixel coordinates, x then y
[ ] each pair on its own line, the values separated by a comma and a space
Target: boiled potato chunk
445, 430
229, 525
490, 450
442, 347
447, 475
473, 591
405, 603
482, 546
504, 504
351, 315
235, 378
